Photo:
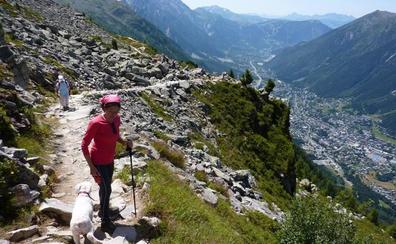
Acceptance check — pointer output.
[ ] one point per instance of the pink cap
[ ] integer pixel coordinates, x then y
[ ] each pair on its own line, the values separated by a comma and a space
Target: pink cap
110, 99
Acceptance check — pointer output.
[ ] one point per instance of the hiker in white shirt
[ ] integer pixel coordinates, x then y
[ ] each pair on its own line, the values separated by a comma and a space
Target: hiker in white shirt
63, 91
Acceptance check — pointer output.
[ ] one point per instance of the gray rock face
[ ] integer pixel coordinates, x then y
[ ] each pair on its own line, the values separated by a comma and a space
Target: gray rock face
24, 195
222, 175
17, 153
27, 176
262, 207
1, 35
57, 209
209, 197
6, 54
23, 234
129, 233
21, 72
245, 177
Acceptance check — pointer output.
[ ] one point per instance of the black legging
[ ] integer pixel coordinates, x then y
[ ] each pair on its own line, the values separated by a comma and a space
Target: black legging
106, 173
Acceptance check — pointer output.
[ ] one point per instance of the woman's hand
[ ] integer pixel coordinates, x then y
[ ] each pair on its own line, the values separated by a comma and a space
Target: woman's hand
129, 144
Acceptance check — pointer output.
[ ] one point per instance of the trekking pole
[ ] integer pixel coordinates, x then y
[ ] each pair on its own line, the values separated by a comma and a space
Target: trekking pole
133, 180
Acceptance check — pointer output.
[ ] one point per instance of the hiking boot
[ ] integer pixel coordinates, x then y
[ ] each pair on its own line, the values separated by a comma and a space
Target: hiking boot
108, 226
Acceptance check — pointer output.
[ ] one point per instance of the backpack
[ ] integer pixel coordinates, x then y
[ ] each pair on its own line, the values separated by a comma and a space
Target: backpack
63, 87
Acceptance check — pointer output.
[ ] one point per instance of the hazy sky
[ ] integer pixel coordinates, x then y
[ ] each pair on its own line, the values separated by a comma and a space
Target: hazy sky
356, 8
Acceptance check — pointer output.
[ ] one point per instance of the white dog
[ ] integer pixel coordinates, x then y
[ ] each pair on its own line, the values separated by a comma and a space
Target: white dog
81, 221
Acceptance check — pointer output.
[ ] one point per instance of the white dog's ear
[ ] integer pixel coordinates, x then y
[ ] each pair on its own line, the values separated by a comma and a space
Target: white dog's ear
77, 188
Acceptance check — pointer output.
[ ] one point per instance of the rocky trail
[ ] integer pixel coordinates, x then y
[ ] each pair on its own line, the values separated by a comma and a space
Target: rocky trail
157, 95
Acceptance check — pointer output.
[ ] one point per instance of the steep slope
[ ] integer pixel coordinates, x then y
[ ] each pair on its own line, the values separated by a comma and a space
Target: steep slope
348, 62
206, 148
119, 18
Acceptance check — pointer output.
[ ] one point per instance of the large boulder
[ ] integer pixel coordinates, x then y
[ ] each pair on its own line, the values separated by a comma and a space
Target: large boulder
149, 227
156, 72
21, 72
23, 234
209, 197
128, 232
245, 177
27, 176
17, 153
2, 41
24, 195
141, 81
57, 209
6, 54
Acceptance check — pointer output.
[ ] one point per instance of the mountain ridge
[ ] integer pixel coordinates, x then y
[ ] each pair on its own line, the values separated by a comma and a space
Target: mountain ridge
213, 38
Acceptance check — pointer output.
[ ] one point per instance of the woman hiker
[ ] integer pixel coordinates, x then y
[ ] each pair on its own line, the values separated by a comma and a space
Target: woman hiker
63, 91
104, 131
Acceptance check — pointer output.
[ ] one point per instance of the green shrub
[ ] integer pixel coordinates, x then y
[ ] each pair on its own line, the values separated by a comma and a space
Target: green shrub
218, 187
8, 133
11, 9
114, 44
247, 78
125, 175
188, 64
161, 135
199, 141
201, 176
10, 38
314, 220
120, 150
8, 177
392, 230
156, 107
175, 157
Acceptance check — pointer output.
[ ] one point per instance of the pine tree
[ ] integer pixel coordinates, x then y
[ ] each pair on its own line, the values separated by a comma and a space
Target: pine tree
270, 86
231, 74
247, 78
114, 44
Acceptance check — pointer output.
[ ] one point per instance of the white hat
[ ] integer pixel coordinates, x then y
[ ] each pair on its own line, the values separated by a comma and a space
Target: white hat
60, 77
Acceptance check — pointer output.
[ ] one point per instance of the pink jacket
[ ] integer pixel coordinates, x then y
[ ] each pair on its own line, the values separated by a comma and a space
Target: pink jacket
102, 151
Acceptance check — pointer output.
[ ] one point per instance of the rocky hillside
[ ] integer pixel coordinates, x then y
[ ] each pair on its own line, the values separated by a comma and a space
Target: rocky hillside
213, 160
117, 17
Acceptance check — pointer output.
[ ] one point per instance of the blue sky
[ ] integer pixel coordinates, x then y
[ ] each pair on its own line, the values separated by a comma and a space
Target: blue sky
356, 8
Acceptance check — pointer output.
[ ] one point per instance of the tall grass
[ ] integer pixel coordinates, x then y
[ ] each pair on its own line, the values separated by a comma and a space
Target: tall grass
187, 219
175, 157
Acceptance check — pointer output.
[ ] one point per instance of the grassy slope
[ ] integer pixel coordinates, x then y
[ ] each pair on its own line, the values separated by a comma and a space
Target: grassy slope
187, 219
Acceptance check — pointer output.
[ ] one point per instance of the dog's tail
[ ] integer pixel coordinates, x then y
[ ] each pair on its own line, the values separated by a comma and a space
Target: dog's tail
93, 239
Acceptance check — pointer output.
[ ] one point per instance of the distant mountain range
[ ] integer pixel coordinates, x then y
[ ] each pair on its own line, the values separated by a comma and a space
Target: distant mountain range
332, 20
117, 17
227, 14
357, 60
220, 39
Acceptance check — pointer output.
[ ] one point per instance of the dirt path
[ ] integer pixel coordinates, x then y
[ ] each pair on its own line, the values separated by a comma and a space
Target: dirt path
70, 165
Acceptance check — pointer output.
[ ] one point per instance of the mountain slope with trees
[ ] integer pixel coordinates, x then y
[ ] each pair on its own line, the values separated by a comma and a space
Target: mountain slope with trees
219, 42
355, 61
